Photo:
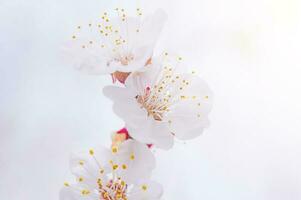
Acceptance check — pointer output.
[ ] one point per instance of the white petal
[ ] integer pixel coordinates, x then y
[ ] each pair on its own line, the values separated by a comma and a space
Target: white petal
128, 31
147, 130
143, 53
90, 60
82, 165
189, 116
74, 192
86, 166
125, 104
118, 93
137, 158
102, 157
146, 190
151, 28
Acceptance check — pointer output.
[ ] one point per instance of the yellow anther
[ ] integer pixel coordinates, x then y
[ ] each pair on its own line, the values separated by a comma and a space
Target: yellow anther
132, 156
101, 171
115, 167
73, 37
85, 192
80, 179
206, 97
114, 149
66, 184
124, 166
81, 162
105, 195
144, 187
91, 152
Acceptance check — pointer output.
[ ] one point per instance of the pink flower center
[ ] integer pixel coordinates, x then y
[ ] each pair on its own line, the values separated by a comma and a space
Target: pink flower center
125, 60
113, 190
152, 104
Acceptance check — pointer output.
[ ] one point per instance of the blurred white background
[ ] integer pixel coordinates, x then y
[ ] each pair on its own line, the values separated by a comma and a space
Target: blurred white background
247, 50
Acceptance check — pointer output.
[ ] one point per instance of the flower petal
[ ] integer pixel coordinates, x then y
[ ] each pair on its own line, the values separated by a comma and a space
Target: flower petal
146, 190
77, 192
118, 94
151, 28
189, 115
136, 161
89, 60
147, 130
87, 165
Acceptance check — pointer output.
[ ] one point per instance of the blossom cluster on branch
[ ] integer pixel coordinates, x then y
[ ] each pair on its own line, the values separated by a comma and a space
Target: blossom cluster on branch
159, 99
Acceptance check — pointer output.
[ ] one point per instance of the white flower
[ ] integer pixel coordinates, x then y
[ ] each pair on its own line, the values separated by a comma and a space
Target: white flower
162, 102
120, 174
117, 45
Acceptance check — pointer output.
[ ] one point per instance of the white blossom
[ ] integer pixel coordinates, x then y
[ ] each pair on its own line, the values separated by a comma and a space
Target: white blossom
163, 102
115, 45
121, 173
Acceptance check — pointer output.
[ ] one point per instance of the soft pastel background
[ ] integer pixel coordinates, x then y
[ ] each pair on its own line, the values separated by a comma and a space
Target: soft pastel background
247, 50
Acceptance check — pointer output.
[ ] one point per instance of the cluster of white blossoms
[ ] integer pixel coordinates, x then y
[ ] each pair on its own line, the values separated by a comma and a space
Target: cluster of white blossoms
159, 100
